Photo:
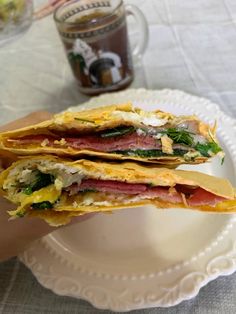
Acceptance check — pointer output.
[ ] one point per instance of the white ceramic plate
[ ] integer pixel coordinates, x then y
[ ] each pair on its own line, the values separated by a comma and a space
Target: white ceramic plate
144, 257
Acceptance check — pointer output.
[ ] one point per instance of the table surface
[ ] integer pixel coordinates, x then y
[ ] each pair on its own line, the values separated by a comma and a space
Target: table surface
192, 47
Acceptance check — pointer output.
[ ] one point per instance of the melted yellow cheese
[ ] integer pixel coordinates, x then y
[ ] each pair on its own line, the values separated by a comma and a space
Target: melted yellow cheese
49, 193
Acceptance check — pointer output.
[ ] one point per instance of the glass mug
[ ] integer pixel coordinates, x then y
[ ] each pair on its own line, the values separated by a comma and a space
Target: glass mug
94, 34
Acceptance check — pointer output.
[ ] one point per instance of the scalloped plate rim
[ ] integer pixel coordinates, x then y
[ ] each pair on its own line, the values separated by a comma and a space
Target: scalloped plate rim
25, 257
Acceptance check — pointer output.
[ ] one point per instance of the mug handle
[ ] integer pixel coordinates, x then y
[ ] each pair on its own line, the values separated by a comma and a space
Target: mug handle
140, 46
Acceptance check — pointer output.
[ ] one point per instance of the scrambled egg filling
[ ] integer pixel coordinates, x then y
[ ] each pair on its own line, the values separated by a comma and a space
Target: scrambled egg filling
166, 143
149, 119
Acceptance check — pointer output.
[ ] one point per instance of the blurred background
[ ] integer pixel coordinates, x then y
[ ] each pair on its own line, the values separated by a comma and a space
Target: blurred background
192, 47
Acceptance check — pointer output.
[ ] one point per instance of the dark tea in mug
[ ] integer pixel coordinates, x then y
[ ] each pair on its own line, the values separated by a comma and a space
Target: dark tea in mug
94, 34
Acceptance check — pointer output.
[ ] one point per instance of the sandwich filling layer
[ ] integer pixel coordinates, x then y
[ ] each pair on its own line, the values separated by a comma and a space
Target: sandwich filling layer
146, 142
46, 185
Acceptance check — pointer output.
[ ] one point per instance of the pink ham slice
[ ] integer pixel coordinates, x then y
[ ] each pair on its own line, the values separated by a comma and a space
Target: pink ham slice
117, 187
109, 186
164, 194
199, 196
129, 141
203, 197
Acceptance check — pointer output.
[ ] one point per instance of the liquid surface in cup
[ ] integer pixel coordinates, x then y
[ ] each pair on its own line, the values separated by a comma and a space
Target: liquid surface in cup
99, 54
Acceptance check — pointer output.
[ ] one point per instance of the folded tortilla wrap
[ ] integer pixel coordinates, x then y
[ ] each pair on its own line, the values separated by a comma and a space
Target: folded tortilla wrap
56, 189
118, 132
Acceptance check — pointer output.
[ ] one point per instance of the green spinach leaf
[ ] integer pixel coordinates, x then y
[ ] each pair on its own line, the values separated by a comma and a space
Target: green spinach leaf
42, 205
204, 149
41, 180
20, 214
180, 136
85, 120
117, 131
149, 153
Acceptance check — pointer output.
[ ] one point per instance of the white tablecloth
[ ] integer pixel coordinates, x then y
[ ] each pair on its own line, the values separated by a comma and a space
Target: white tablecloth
192, 47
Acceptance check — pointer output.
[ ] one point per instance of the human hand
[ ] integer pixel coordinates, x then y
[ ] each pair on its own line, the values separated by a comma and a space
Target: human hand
16, 235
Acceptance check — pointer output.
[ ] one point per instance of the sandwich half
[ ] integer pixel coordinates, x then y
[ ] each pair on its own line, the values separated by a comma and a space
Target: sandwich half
56, 189
118, 132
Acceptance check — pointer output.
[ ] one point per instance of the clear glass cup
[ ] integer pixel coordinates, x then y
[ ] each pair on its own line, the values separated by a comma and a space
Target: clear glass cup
15, 18
95, 37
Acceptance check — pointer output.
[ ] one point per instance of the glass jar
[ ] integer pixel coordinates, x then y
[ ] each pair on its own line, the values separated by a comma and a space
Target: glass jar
15, 18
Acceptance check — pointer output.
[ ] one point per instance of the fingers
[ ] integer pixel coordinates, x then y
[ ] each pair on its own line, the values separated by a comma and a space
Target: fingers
32, 118
6, 158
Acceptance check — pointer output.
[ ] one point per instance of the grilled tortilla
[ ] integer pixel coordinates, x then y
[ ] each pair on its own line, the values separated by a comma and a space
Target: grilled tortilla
118, 132
56, 189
